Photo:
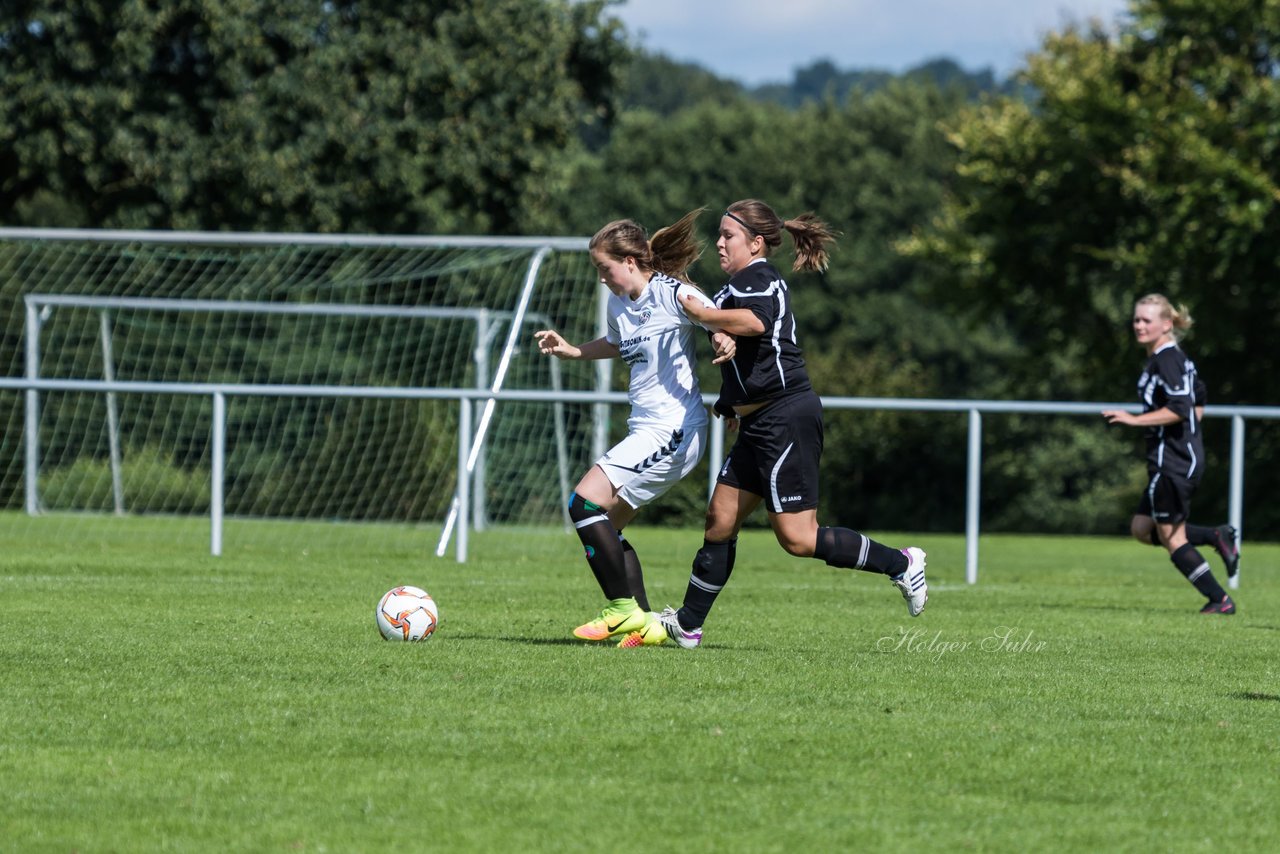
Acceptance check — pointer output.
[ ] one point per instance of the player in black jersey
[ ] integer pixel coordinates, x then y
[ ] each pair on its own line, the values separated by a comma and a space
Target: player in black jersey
1172, 399
766, 397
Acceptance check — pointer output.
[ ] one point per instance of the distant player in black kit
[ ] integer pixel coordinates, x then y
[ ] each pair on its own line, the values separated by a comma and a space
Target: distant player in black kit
1172, 398
766, 396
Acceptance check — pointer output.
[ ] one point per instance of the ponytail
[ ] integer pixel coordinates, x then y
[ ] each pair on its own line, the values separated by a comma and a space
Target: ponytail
809, 233
674, 249
671, 251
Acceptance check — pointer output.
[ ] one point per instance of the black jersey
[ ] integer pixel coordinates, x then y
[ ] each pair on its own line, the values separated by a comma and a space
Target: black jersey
768, 365
1170, 380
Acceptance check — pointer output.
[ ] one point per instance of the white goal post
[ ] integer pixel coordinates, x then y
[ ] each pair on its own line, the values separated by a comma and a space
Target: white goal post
39, 309
279, 311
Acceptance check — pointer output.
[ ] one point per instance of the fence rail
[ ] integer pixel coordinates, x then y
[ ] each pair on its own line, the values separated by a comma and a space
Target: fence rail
258, 238
974, 409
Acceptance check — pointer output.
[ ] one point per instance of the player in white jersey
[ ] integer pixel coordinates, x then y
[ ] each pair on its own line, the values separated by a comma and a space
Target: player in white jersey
666, 432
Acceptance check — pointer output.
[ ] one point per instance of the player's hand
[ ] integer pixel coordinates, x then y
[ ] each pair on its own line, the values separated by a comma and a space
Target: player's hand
694, 307
551, 343
1119, 416
725, 346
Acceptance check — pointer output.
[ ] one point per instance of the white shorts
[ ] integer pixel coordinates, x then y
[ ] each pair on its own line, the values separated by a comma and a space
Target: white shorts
648, 462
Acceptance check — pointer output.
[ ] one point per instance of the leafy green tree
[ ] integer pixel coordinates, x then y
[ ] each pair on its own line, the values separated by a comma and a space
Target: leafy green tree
662, 85
438, 116
874, 167
821, 80
1146, 161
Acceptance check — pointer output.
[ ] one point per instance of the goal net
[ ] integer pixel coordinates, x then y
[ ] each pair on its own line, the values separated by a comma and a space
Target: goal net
278, 319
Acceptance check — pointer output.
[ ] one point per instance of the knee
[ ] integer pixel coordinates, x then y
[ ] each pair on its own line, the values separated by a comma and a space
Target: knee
1143, 530
717, 529
797, 546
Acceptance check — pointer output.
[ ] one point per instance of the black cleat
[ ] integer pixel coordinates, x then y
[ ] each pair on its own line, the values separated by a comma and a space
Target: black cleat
1224, 541
1226, 606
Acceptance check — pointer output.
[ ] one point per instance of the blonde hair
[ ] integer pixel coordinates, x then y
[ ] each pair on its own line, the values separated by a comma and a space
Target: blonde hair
810, 234
1178, 315
671, 251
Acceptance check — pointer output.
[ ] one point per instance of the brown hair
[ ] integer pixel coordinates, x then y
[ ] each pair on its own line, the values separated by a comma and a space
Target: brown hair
1178, 315
810, 234
671, 250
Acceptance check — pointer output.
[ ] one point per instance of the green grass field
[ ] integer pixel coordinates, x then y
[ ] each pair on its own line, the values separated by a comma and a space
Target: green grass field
157, 698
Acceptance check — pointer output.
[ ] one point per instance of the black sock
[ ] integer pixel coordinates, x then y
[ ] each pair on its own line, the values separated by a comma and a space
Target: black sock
846, 549
712, 566
603, 549
1199, 535
635, 576
1196, 570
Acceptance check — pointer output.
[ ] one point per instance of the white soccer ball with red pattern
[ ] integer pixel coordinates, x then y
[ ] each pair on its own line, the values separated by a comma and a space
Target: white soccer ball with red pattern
407, 614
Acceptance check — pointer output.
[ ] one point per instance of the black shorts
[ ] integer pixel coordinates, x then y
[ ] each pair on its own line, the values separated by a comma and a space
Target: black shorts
777, 453
1167, 499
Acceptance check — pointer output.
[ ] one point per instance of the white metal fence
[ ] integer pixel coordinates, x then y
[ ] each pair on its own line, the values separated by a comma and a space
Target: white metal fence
487, 322
469, 442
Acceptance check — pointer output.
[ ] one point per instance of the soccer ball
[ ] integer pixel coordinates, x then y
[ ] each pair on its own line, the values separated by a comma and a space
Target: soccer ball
407, 614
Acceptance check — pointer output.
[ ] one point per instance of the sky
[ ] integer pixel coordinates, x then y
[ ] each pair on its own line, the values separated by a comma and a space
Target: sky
764, 41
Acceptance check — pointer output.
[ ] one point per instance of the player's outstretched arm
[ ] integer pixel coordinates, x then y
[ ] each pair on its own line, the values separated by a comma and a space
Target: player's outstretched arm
1154, 418
552, 343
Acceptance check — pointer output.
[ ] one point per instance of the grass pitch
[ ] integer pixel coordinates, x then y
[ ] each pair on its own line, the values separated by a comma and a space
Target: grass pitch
157, 698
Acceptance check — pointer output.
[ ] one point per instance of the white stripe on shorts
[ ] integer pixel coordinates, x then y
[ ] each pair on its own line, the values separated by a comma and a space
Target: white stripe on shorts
773, 481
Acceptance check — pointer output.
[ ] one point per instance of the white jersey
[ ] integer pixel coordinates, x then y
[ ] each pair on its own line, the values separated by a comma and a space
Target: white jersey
656, 338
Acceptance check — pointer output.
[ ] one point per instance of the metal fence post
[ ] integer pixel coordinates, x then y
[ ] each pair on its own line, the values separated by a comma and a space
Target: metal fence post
1235, 506
216, 472
464, 482
715, 453
113, 417
973, 482
33, 410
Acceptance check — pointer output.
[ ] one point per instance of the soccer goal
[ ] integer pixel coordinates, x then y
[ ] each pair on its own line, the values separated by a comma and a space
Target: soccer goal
312, 343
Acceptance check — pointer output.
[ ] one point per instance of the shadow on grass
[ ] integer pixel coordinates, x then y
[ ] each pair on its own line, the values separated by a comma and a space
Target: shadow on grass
1255, 695
1068, 606
543, 641
534, 641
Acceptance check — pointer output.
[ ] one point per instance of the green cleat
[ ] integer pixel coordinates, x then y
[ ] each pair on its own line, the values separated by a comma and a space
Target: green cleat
652, 634
620, 617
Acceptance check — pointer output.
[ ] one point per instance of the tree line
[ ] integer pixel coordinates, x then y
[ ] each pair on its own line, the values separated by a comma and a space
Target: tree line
994, 233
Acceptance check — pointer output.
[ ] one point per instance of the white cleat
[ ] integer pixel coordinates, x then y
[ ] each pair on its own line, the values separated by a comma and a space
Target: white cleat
686, 638
912, 583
